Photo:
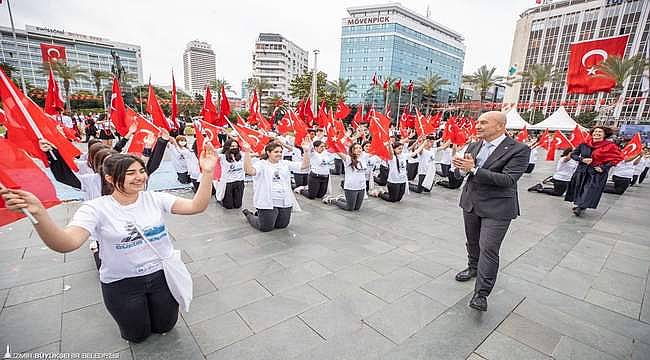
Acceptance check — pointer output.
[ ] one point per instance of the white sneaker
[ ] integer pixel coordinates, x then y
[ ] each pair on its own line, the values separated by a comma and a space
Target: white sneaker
298, 189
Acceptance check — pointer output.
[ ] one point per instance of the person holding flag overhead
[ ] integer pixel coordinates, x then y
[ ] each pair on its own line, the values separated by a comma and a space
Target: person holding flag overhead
272, 195
130, 221
354, 184
594, 158
397, 177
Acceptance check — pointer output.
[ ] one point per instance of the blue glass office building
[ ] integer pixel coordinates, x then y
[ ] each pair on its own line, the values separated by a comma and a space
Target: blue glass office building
392, 41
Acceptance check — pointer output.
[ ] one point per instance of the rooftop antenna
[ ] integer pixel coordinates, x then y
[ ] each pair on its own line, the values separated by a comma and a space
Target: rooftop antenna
428, 11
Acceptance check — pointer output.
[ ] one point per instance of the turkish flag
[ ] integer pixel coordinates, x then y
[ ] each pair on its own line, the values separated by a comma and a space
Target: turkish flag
342, 110
18, 171
51, 52
583, 76
358, 117
255, 139
118, 110
201, 127
30, 123
523, 135
299, 128
253, 109
225, 105
544, 140
633, 148
335, 135
284, 125
559, 142
577, 137
144, 129
321, 118
154, 109
53, 102
209, 110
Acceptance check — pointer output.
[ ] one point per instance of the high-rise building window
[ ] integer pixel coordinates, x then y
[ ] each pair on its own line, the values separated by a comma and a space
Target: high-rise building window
381, 58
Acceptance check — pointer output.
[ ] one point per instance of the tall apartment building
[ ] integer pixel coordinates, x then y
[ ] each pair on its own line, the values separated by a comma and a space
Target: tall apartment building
199, 66
390, 40
87, 51
278, 61
544, 34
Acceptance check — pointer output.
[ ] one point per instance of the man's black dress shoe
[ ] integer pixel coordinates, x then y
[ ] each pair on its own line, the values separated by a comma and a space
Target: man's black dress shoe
466, 274
478, 302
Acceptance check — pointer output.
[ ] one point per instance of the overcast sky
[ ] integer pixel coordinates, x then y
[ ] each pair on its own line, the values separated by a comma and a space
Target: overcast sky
163, 28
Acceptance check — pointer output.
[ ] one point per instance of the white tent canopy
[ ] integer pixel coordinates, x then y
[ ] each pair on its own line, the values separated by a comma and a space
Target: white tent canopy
559, 120
515, 121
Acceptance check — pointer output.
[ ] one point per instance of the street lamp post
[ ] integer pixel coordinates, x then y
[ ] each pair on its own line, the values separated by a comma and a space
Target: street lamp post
20, 65
314, 81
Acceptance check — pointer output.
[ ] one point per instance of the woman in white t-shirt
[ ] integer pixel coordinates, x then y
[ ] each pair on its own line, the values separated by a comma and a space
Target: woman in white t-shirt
425, 153
532, 159
272, 195
300, 176
354, 184
320, 163
180, 153
397, 177
445, 157
232, 172
133, 283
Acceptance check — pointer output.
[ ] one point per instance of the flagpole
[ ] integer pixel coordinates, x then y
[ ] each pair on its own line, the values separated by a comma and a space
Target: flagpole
411, 102
20, 64
26, 212
399, 100
314, 84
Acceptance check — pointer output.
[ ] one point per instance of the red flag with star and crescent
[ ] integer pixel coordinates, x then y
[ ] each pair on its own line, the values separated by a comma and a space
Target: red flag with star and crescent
634, 147
577, 137
52, 52
583, 75
53, 102
118, 110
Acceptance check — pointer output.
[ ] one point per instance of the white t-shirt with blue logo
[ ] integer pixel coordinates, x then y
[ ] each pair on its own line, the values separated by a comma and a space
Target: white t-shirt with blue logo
232, 171
123, 252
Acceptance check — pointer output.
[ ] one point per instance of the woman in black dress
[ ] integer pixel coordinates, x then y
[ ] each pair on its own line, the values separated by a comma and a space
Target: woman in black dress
595, 158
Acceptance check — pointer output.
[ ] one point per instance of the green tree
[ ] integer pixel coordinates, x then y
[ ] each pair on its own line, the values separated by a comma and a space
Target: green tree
587, 118
300, 88
620, 69
538, 75
482, 80
216, 86
68, 73
341, 88
97, 77
430, 87
8, 69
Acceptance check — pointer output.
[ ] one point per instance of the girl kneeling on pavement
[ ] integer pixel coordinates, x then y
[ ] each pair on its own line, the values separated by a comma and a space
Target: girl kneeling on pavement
133, 283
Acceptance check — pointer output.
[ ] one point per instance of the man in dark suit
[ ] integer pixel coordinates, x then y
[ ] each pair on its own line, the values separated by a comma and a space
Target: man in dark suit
489, 199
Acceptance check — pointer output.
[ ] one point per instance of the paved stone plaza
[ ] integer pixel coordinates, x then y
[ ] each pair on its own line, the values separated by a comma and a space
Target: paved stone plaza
378, 284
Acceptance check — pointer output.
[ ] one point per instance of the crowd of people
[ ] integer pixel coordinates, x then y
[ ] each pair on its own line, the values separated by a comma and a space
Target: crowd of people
124, 221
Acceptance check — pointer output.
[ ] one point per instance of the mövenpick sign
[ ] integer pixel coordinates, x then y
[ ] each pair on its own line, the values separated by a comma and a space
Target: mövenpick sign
369, 20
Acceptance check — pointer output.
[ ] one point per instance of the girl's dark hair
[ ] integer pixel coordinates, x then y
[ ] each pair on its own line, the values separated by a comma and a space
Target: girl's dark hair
116, 166
364, 144
317, 143
354, 159
230, 154
99, 157
92, 142
92, 150
608, 131
395, 146
566, 152
268, 148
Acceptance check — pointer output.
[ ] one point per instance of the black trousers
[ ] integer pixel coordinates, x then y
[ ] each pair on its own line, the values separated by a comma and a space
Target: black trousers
644, 173
444, 169
395, 192
316, 186
530, 168
419, 188
454, 181
195, 187
338, 167
634, 179
484, 237
382, 178
559, 188
411, 170
233, 195
141, 305
353, 200
620, 185
300, 179
268, 219
184, 178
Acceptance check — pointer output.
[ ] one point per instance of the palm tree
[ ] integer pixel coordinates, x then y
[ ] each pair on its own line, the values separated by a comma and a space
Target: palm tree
69, 73
276, 101
97, 77
619, 70
340, 88
8, 68
216, 85
538, 75
482, 80
259, 85
430, 86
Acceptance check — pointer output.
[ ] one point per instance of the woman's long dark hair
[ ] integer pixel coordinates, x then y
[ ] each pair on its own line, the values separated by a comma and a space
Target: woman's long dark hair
354, 158
607, 130
231, 155
92, 150
116, 166
396, 144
